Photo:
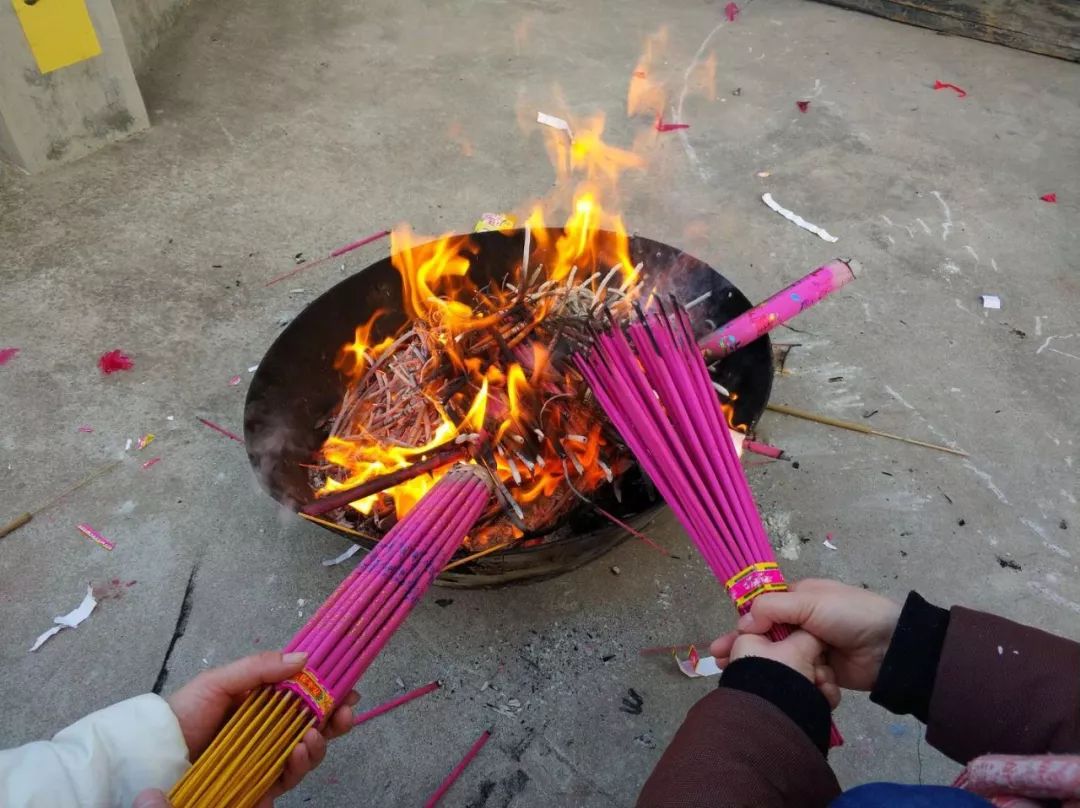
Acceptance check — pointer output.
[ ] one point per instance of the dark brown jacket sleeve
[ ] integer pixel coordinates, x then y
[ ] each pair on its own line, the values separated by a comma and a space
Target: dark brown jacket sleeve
737, 748
1004, 688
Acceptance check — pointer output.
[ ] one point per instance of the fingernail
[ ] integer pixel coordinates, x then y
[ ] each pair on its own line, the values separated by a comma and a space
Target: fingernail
745, 622
294, 657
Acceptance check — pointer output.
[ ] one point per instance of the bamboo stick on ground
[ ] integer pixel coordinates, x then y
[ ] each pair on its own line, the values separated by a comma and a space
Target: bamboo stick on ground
795, 412
25, 518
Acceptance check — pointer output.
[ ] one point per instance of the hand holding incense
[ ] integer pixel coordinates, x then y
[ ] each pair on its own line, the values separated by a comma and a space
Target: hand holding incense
656, 390
341, 640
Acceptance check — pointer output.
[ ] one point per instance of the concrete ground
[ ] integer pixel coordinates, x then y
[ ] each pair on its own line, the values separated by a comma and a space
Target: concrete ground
279, 130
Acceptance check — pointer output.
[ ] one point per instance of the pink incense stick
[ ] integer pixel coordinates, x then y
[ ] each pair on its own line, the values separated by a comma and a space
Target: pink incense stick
352, 626
340, 251
775, 452
656, 390
395, 703
451, 778
777, 310
221, 429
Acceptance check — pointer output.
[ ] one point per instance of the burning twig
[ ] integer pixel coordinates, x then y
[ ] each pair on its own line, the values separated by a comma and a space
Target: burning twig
444, 456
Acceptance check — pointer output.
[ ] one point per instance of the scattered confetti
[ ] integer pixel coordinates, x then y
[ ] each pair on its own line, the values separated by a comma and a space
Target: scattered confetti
554, 123
127, 446
235, 380
112, 361
990, 301
1051, 198
153, 461
944, 85
7, 354
145, 441
669, 127
731, 11
94, 536
797, 219
804, 106
86, 428
69, 620
828, 542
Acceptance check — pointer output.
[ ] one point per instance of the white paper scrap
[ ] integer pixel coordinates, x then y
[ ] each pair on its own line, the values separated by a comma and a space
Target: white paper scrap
795, 218
990, 301
330, 562
69, 620
830, 545
738, 438
554, 123
706, 666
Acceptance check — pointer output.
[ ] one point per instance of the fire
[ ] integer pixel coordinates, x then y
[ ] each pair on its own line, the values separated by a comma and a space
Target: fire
484, 368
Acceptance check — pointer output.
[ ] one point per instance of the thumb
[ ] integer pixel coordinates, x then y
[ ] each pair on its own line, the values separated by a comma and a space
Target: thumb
248, 673
788, 608
150, 798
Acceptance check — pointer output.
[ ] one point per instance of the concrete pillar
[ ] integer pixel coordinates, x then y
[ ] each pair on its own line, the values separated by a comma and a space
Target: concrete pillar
62, 114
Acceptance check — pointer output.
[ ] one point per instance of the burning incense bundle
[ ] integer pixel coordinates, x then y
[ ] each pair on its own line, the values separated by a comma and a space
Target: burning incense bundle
341, 640
658, 394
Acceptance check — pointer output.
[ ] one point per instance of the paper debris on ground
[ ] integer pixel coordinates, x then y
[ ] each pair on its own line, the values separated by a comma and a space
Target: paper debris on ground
828, 542
94, 536
235, 380
494, 221
7, 354
944, 85
86, 428
696, 666
145, 441
990, 301
796, 219
151, 462
554, 123
330, 562
253, 368
1051, 198
112, 361
804, 106
731, 11
69, 620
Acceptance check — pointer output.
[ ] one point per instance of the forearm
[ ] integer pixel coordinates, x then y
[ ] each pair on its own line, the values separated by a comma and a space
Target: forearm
103, 759
981, 683
758, 740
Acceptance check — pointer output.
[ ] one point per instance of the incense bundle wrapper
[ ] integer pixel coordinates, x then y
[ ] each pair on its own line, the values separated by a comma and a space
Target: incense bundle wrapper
341, 640
656, 389
777, 310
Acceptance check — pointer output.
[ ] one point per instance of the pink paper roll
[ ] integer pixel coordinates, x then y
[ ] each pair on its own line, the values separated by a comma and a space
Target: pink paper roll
778, 309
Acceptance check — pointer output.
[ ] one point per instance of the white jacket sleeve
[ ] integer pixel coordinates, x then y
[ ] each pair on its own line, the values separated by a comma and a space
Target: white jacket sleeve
102, 760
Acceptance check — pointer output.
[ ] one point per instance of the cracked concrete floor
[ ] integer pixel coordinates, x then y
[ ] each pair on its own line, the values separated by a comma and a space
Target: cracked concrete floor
279, 130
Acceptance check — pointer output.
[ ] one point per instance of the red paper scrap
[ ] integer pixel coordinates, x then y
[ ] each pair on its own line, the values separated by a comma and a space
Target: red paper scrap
7, 354
802, 105
669, 127
113, 361
235, 380
944, 85
152, 461
86, 428
731, 10
1051, 198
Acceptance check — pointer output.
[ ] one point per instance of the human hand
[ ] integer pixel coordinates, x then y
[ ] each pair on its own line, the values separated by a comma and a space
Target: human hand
855, 624
203, 705
800, 651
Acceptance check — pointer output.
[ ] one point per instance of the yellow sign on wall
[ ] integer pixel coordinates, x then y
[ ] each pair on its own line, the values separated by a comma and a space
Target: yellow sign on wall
60, 32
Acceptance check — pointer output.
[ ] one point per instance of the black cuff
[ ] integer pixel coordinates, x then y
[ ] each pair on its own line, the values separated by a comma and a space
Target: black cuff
906, 679
790, 691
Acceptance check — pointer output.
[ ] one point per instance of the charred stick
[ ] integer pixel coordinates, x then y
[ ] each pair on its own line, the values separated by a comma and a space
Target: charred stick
443, 456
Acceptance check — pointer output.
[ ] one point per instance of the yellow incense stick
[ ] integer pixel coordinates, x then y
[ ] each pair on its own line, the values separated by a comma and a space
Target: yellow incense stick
795, 412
